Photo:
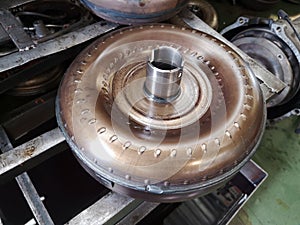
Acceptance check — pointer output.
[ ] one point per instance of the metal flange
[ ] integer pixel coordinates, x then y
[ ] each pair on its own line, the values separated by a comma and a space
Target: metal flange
276, 46
167, 150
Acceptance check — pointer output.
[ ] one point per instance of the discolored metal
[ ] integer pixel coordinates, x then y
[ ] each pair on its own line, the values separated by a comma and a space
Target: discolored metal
202, 9
135, 11
158, 151
39, 84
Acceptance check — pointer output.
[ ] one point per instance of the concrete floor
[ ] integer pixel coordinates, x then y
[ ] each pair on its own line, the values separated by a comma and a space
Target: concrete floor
277, 201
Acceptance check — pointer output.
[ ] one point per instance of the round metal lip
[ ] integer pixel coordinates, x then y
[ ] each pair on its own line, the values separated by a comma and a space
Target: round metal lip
262, 38
249, 114
135, 11
39, 84
132, 104
267, 53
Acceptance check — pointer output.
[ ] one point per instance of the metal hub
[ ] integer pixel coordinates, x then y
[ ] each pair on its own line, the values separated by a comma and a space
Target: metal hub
160, 112
163, 75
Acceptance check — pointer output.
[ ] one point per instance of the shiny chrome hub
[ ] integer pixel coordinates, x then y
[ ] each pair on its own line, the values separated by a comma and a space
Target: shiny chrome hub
163, 74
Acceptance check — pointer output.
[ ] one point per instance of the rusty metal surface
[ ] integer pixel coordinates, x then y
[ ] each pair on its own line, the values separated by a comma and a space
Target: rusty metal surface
33, 199
156, 151
135, 11
55, 45
27, 151
14, 29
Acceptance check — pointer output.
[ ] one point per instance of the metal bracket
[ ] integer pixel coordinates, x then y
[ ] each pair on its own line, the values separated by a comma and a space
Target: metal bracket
14, 29
287, 33
56, 45
27, 151
270, 84
108, 210
30, 193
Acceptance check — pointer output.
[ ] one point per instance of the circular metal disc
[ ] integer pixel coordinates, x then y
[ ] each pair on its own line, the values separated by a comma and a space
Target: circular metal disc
135, 11
40, 83
272, 53
160, 152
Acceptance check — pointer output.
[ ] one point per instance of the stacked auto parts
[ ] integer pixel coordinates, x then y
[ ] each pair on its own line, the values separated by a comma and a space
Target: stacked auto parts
164, 126
149, 111
276, 45
27, 25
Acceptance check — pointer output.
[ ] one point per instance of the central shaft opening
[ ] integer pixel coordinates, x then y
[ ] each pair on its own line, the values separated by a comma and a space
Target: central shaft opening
163, 75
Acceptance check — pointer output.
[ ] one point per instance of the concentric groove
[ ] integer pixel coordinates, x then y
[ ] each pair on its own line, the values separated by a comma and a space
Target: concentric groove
129, 148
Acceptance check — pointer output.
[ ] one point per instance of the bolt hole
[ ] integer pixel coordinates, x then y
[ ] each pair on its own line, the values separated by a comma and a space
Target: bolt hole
142, 3
297, 111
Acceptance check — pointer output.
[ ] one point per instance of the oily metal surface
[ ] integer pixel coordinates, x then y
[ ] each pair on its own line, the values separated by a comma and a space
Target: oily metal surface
160, 152
135, 11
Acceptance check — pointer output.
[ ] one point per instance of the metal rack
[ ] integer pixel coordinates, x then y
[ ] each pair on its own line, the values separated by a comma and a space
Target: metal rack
112, 208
